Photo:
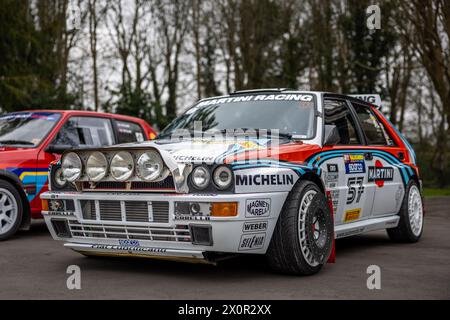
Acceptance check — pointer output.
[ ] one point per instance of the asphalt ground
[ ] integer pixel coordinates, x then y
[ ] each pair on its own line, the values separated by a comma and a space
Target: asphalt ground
33, 266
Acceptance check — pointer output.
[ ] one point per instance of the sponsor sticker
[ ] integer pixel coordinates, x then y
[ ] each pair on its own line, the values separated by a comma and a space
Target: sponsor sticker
257, 208
354, 163
352, 215
255, 226
252, 241
127, 248
256, 98
332, 167
380, 174
264, 179
129, 243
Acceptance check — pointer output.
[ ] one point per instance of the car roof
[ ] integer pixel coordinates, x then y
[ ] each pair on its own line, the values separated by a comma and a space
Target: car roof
85, 113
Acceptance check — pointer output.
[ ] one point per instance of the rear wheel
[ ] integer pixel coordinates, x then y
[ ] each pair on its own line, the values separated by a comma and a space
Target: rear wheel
11, 210
410, 226
303, 236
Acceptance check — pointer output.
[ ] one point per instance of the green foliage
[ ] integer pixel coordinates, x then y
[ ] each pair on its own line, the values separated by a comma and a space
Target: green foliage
29, 77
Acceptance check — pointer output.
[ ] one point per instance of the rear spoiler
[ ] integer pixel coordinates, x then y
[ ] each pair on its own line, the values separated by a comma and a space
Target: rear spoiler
374, 99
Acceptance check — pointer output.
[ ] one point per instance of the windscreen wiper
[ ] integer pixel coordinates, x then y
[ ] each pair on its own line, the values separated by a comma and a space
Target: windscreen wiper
28, 143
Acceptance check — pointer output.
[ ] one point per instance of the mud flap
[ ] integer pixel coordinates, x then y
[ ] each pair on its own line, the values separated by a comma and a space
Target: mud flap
332, 258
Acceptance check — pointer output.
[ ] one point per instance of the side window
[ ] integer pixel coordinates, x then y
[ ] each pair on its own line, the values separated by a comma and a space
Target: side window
128, 132
337, 113
86, 132
375, 132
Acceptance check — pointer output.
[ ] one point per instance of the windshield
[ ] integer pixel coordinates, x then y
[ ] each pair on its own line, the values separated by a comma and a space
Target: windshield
26, 129
289, 113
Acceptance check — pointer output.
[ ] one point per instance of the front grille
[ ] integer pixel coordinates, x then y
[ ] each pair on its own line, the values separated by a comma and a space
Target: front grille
88, 209
166, 185
137, 211
142, 185
108, 231
110, 210
106, 185
126, 211
160, 211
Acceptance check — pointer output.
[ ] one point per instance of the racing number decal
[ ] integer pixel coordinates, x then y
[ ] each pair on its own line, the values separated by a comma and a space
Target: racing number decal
355, 189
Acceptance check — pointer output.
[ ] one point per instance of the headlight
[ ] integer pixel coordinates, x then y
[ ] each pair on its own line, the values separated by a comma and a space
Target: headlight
222, 177
149, 165
96, 166
122, 166
59, 179
200, 177
71, 166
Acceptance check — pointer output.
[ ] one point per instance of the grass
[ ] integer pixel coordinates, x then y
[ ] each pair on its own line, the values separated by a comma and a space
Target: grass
434, 192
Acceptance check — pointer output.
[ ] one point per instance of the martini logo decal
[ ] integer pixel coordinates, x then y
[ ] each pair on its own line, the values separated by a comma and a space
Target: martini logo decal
380, 174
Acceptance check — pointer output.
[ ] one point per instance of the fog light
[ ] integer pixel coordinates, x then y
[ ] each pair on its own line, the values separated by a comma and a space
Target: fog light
224, 209
56, 205
195, 208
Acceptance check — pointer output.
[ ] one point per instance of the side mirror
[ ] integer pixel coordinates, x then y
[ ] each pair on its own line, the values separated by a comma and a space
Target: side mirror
332, 137
58, 148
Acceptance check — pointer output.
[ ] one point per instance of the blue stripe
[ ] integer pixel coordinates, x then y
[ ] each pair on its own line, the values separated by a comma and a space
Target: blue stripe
382, 154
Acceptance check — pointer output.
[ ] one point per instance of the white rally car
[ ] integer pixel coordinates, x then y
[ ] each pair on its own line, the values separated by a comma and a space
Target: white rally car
275, 172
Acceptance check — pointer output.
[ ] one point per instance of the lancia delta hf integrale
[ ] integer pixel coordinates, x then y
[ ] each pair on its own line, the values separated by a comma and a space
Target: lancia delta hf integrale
276, 172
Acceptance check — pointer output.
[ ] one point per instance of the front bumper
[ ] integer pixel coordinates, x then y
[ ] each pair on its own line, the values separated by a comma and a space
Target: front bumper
107, 229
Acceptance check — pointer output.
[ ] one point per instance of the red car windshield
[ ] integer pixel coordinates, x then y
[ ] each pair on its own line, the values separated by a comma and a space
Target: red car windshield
26, 129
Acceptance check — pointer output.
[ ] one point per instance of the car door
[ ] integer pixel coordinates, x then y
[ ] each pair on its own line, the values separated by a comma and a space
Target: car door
384, 175
346, 164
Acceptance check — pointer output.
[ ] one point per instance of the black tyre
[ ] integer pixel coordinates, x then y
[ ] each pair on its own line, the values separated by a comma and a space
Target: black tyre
303, 237
11, 210
410, 226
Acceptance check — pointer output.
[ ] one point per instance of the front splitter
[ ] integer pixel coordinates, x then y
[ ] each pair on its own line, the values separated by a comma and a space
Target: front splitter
189, 256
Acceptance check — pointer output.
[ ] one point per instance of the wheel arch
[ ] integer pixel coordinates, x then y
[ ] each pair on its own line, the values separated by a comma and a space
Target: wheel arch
17, 184
313, 177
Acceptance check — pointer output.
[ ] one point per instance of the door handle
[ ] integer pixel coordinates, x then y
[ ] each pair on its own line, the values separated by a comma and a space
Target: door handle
368, 156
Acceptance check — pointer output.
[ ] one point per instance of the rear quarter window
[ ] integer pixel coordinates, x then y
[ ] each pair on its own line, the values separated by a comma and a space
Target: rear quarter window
128, 131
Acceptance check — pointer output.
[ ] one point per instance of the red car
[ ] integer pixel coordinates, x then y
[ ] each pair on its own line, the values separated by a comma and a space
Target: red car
31, 140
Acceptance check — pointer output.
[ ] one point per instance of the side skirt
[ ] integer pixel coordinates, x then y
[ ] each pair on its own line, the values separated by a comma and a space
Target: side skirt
358, 227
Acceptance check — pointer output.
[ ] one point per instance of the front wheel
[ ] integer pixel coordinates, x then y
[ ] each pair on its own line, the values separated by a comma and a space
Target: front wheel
410, 226
11, 210
302, 239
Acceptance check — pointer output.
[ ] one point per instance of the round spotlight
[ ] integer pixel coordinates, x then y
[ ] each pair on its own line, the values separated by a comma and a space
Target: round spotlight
200, 177
59, 178
96, 166
149, 166
122, 166
222, 177
71, 166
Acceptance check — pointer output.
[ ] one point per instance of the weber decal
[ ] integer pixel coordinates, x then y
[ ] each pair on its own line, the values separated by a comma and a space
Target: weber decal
257, 208
254, 226
252, 241
354, 163
264, 180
